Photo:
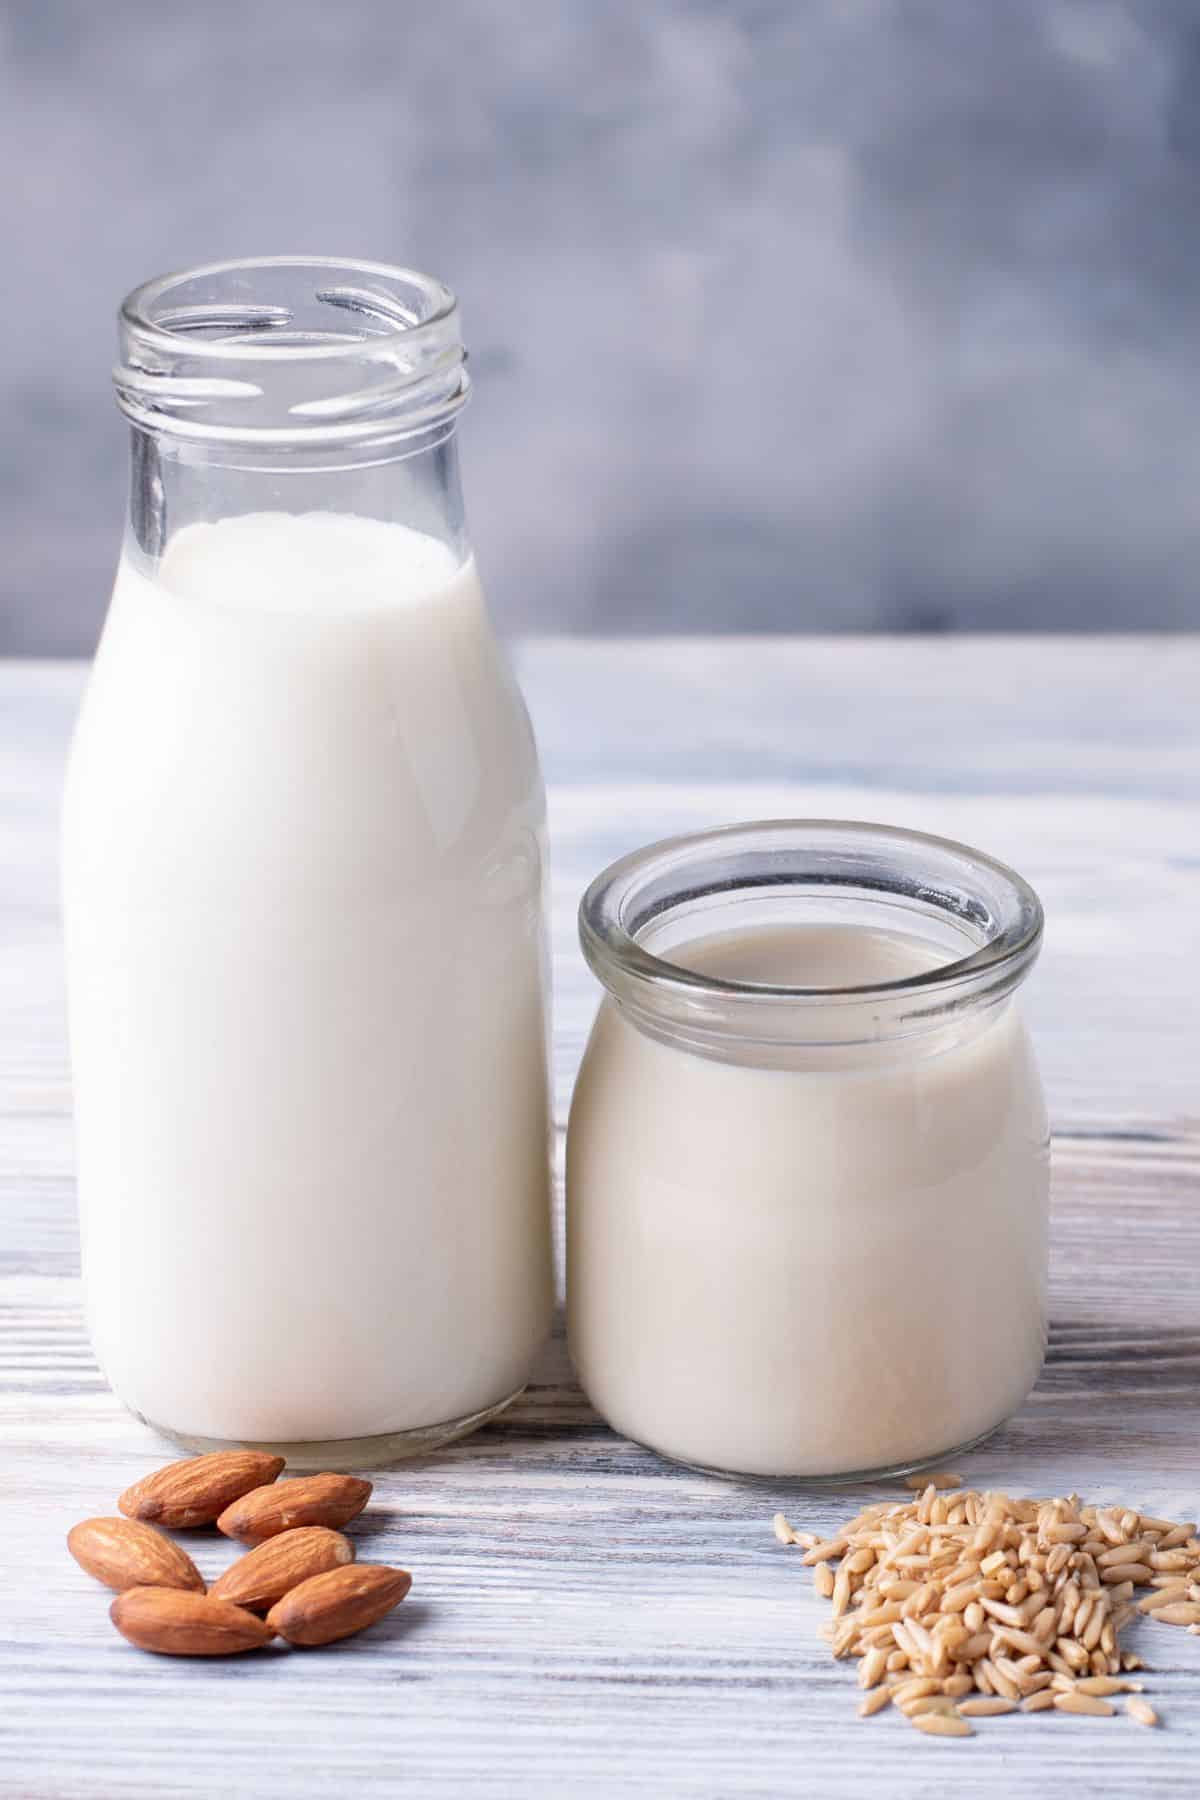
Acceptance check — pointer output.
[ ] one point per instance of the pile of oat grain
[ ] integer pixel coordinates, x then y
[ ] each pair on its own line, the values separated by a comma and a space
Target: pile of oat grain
962, 1604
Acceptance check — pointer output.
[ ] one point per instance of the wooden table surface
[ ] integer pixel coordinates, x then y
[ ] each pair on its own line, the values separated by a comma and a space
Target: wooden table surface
587, 1620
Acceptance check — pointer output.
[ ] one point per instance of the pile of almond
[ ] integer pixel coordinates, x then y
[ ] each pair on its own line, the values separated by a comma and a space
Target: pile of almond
299, 1572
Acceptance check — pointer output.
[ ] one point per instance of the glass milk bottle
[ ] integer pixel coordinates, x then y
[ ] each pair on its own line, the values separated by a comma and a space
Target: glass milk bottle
304, 863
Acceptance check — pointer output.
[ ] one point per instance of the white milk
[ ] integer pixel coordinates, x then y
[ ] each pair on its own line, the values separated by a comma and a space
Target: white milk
304, 845
812, 1270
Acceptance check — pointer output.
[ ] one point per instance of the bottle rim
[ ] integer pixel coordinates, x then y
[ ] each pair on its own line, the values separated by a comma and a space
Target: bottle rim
299, 350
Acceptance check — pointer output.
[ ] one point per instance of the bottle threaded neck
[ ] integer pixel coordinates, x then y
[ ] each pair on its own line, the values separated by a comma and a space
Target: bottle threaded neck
292, 352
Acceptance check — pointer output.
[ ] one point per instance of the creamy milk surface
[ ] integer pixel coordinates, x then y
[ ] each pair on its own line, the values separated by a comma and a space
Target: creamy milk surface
303, 867
808, 1271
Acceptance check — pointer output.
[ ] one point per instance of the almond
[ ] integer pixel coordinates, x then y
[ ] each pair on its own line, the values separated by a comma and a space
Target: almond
123, 1553
338, 1603
331, 1500
172, 1623
196, 1490
265, 1575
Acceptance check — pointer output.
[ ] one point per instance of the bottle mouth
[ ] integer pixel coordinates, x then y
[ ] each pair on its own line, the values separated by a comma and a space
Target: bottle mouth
284, 350
983, 921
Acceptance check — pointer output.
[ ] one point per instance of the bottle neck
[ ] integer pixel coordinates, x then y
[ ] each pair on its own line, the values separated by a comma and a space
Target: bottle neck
175, 483
292, 385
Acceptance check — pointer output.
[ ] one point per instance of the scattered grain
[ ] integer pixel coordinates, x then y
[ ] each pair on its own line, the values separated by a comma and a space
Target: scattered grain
925, 1703
1065, 1534
826, 1552
937, 1478
872, 1668
988, 1603
874, 1702
1137, 1572
1170, 1561
915, 1690
1084, 1703
1021, 1641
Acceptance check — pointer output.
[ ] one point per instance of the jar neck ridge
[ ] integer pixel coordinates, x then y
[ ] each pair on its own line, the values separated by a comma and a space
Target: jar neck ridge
980, 918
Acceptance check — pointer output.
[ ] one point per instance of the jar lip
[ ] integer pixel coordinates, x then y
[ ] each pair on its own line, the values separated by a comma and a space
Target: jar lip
609, 930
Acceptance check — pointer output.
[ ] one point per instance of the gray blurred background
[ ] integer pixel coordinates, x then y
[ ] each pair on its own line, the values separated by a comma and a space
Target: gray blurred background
839, 314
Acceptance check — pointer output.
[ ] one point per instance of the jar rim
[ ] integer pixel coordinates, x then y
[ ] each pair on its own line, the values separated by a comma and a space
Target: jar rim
981, 894
291, 350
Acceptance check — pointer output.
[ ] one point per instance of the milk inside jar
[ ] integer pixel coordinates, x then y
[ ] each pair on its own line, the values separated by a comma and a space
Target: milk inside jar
304, 864
807, 1154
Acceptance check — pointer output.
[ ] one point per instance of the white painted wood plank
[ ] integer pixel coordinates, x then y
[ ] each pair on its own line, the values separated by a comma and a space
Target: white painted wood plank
586, 1619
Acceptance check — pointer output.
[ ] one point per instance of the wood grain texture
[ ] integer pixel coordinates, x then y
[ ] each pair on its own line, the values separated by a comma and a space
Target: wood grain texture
585, 1619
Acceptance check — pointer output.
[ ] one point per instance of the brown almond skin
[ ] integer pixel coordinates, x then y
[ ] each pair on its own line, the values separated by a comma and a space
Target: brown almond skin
124, 1553
339, 1603
172, 1623
331, 1500
263, 1576
198, 1489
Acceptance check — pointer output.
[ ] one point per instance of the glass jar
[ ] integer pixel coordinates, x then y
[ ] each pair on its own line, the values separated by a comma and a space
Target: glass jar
807, 1160
304, 868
